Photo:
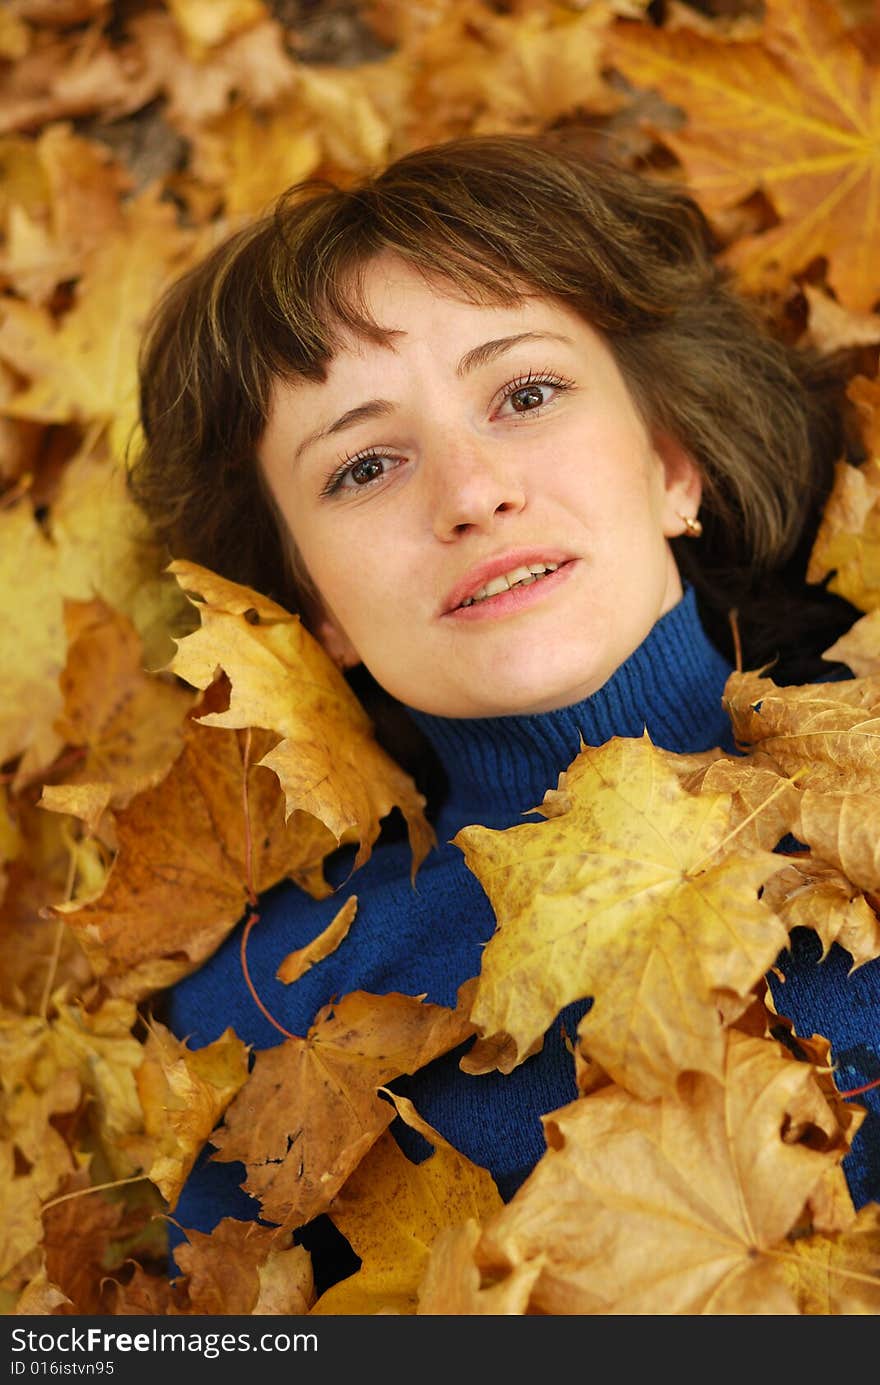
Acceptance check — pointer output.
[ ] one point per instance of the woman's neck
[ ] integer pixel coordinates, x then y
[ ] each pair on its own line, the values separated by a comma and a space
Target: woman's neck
500, 767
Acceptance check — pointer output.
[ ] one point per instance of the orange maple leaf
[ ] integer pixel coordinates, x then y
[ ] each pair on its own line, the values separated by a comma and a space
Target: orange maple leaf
794, 113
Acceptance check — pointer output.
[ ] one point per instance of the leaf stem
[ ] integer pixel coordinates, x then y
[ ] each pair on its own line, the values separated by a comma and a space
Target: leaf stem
857, 1091
59, 937
253, 915
95, 1188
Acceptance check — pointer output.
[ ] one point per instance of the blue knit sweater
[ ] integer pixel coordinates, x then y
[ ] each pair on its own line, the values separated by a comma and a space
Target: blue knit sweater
429, 940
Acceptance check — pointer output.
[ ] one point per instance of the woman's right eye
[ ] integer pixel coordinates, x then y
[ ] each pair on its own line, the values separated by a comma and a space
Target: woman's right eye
360, 471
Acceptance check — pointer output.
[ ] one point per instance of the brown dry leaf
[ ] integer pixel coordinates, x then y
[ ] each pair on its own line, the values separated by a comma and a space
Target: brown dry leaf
38, 955
391, 1212
60, 13
252, 64
633, 892
764, 804
310, 1110
128, 723
296, 964
473, 70
844, 830
327, 761
74, 75
826, 735
244, 1268
78, 371
183, 1095
692, 1204
794, 114
864, 391
10, 838
179, 883
810, 894
78, 1236
451, 1283
54, 225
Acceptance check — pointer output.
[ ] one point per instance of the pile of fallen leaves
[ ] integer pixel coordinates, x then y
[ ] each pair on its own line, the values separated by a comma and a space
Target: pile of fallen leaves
162, 731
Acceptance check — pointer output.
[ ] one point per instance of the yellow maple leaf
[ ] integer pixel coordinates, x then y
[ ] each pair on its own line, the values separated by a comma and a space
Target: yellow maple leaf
633, 892
183, 1094
825, 734
698, 1203
810, 894
391, 1212
32, 641
794, 113
328, 762
207, 22
85, 369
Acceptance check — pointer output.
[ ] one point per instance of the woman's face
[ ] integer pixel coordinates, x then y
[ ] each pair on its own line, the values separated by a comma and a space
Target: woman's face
484, 445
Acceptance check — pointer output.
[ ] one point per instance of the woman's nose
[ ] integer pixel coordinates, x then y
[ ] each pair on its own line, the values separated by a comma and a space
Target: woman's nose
471, 487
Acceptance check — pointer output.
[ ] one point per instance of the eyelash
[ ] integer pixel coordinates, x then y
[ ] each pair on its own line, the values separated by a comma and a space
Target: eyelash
347, 464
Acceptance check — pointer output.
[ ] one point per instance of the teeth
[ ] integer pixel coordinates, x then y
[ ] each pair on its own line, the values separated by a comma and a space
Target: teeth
518, 577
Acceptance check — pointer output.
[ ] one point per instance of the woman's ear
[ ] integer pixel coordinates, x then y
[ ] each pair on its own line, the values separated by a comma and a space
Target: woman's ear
682, 482
336, 643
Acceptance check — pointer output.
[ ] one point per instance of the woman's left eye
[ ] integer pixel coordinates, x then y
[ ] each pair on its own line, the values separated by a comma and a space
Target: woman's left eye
531, 392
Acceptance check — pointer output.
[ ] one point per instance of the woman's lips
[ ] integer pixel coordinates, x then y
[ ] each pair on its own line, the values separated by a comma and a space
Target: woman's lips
515, 599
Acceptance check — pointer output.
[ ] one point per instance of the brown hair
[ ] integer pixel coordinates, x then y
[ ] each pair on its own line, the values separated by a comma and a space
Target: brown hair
496, 216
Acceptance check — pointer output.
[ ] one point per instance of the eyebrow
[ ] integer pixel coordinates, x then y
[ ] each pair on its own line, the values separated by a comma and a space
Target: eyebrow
472, 360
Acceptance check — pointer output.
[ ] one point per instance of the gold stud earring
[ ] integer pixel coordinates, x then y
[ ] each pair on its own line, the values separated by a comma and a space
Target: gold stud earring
692, 525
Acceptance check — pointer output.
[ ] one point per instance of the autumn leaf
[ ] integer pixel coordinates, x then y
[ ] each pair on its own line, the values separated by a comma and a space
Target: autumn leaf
179, 882
38, 955
452, 1284
296, 964
183, 1094
128, 724
244, 1268
31, 642
793, 114
697, 1203
810, 894
327, 761
819, 731
78, 370
252, 63
391, 1211
59, 209
105, 547
208, 22
633, 892
310, 1110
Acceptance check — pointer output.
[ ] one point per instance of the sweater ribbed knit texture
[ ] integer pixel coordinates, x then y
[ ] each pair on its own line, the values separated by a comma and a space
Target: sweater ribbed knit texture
428, 940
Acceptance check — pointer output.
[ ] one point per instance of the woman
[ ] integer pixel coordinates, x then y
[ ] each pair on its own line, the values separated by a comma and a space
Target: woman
496, 425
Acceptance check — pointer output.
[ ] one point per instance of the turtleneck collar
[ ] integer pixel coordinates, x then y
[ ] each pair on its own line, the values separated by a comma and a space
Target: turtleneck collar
500, 767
